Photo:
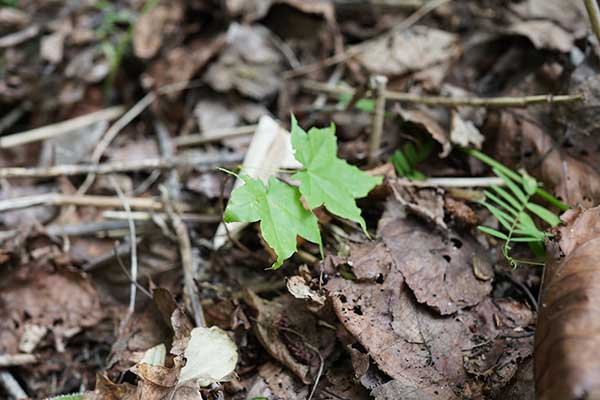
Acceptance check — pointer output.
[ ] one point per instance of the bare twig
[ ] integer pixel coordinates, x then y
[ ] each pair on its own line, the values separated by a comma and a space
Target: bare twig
19, 37
11, 385
201, 162
13, 360
214, 135
133, 240
379, 83
146, 216
594, 13
60, 128
185, 249
497, 102
59, 199
359, 48
122, 122
13, 116
453, 182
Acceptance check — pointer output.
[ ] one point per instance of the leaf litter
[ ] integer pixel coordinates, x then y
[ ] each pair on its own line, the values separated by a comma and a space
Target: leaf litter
389, 292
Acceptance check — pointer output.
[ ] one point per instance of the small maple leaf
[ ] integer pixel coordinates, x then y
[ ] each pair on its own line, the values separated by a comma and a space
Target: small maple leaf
280, 212
326, 179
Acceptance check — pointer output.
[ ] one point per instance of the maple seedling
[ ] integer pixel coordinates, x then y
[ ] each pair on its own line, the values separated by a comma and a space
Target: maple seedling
325, 180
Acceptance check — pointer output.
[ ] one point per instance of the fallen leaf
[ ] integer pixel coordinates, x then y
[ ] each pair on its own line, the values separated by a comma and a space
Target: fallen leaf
274, 382
568, 14
248, 64
567, 340
181, 63
464, 133
438, 269
429, 124
544, 35
57, 298
298, 288
211, 356
152, 26
410, 50
291, 334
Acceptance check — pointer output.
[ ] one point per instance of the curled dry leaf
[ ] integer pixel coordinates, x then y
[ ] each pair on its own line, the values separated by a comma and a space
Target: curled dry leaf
298, 288
429, 124
410, 50
567, 341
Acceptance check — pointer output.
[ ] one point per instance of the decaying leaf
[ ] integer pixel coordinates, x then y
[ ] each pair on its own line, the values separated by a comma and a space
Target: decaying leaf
57, 298
291, 334
544, 35
425, 353
152, 26
248, 64
429, 124
211, 356
567, 340
410, 50
438, 270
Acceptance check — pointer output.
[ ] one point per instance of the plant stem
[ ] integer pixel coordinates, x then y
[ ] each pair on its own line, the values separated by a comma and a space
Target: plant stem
594, 13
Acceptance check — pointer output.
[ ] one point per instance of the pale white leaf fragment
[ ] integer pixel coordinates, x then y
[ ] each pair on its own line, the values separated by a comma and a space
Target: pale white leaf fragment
211, 356
155, 355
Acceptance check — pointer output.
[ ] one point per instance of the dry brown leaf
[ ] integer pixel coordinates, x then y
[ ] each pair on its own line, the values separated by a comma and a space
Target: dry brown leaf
429, 124
274, 382
181, 63
567, 343
249, 64
437, 268
411, 50
291, 334
567, 13
153, 26
425, 353
58, 298
544, 35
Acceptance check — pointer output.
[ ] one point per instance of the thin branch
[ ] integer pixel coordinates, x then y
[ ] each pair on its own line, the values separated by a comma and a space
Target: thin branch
495, 102
60, 128
200, 162
59, 199
594, 13
453, 182
379, 83
122, 122
13, 360
146, 216
187, 262
359, 48
214, 135
11, 385
133, 240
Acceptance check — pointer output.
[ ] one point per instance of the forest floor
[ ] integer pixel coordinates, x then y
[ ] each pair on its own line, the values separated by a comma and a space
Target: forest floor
117, 118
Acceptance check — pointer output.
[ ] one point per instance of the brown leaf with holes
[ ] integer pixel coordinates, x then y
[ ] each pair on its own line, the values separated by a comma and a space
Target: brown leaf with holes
437, 268
567, 342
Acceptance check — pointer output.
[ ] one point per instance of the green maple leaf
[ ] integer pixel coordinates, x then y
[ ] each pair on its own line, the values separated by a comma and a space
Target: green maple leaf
280, 212
326, 179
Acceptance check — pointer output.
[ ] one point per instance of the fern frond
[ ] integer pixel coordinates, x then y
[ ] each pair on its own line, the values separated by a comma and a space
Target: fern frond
512, 207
